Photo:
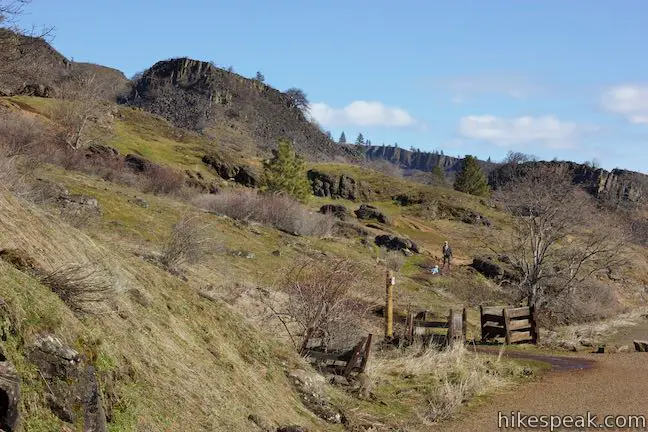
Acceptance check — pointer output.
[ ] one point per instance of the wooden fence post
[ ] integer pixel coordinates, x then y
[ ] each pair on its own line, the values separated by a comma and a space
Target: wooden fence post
389, 306
367, 353
534, 325
507, 325
482, 323
354, 358
464, 324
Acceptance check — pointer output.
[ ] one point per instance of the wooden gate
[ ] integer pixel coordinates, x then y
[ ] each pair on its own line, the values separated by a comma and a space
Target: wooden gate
513, 324
437, 328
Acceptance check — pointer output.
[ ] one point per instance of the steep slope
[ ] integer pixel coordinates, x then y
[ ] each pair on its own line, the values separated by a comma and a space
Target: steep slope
245, 114
31, 66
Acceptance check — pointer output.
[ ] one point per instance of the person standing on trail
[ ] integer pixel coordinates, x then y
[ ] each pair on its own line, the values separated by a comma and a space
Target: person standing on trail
447, 254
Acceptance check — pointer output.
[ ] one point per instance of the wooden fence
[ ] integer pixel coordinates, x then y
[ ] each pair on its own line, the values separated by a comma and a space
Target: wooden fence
345, 363
443, 329
514, 324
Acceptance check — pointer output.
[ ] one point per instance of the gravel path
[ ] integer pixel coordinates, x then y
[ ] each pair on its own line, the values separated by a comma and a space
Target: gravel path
616, 385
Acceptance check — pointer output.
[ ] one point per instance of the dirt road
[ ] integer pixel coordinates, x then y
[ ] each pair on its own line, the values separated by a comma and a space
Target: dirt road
616, 384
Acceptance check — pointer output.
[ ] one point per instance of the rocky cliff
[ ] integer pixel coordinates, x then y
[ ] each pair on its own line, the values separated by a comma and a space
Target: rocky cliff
617, 185
200, 96
421, 161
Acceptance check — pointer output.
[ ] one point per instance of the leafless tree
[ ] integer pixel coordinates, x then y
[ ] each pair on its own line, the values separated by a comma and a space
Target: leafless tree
560, 238
80, 105
318, 302
514, 158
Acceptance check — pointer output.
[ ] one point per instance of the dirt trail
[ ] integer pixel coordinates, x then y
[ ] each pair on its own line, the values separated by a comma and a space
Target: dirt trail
602, 384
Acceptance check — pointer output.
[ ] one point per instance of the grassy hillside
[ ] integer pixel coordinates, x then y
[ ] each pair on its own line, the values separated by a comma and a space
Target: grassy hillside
199, 349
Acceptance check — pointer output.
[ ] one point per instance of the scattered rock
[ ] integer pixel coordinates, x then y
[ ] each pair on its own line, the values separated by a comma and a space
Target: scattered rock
492, 269
623, 348
9, 395
338, 380
276, 252
243, 253
396, 243
641, 346
292, 428
37, 90
368, 212
241, 174
337, 210
587, 343
140, 202
310, 389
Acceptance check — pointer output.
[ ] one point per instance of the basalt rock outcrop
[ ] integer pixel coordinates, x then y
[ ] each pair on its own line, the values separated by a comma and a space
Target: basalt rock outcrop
228, 170
369, 212
617, 185
342, 186
198, 95
418, 160
396, 243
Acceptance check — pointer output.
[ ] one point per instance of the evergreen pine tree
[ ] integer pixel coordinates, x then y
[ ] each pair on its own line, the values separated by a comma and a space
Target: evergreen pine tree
360, 139
285, 173
471, 178
342, 139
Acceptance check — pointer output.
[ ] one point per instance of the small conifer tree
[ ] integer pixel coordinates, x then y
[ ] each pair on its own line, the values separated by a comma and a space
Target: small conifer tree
285, 173
471, 178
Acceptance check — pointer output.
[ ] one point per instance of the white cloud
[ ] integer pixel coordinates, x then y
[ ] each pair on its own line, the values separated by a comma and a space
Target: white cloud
547, 130
361, 113
630, 100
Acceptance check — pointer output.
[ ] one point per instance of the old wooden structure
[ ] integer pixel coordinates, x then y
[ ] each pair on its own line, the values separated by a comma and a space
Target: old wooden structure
442, 329
343, 363
512, 324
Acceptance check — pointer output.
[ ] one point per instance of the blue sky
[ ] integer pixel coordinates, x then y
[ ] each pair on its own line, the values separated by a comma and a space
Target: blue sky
555, 78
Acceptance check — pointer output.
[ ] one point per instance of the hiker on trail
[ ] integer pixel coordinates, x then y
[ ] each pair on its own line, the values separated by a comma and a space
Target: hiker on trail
435, 269
447, 254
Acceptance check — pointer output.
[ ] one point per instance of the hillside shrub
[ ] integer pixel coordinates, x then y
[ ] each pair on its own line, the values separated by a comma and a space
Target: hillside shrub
187, 243
281, 212
79, 286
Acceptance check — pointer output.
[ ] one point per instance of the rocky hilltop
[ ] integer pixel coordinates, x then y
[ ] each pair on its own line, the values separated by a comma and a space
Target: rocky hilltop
197, 95
617, 185
417, 160
31, 66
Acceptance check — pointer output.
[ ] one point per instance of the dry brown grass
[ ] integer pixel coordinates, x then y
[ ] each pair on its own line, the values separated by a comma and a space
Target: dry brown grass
281, 212
452, 376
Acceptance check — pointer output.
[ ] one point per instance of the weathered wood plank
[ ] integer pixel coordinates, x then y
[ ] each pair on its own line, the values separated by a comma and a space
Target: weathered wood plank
519, 324
367, 353
492, 310
519, 336
354, 358
518, 312
431, 324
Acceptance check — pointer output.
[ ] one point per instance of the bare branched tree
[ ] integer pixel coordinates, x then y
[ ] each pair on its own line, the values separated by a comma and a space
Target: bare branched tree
560, 237
80, 105
318, 303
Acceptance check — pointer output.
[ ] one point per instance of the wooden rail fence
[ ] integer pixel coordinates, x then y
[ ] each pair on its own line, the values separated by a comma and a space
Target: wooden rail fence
514, 324
345, 363
444, 329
